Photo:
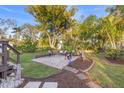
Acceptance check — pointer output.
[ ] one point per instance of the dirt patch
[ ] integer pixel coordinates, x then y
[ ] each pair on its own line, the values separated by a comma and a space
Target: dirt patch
81, 64
116, 61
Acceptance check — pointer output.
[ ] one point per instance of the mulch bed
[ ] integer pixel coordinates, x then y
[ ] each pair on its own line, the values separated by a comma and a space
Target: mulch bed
81, 64
117, 61
65, 79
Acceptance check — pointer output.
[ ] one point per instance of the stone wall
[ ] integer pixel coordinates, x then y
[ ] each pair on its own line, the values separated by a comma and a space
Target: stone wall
10, 82
13, 80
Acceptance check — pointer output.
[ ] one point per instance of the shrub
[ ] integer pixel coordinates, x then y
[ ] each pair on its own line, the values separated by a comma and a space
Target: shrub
31, 47
27, 46
68, 48
112, 53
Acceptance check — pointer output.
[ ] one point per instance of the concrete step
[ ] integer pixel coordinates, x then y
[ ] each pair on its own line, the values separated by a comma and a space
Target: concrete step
81, 76
91, 84
71, 69
50, 85
32, 85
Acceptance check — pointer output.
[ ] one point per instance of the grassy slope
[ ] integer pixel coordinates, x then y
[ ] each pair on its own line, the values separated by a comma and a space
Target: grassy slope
32, 69
105, 74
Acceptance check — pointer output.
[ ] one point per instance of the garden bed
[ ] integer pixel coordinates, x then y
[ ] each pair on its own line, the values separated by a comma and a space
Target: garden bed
67, 80
116, 61
80, 64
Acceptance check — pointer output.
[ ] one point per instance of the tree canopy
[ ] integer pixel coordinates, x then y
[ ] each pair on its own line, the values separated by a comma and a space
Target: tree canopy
53, 20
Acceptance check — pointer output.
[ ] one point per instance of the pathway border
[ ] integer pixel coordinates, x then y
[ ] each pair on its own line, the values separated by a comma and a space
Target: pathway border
86, 70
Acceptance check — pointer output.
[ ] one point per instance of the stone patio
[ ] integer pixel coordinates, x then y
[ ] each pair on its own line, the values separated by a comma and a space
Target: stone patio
56, 61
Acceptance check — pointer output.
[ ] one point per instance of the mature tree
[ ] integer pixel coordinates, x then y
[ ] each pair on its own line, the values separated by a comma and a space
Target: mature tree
88, 32
52, 20
71, 38
99, 33
5, 25
29, 31
117, 10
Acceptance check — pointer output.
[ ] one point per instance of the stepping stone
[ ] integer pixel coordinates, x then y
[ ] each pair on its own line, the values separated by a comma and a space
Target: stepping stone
68, 68
91, 84
50, 85
32, 85
81, 76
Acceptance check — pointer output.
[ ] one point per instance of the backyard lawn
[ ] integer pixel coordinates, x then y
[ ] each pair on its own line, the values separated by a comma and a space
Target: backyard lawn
107, 75
32, 69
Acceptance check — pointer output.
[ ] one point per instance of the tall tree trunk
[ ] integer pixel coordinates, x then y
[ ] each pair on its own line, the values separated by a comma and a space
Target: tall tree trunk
112, 42
52, 42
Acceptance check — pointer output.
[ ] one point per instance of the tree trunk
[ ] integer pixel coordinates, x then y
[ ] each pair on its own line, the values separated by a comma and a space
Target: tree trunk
52, 40
113, 45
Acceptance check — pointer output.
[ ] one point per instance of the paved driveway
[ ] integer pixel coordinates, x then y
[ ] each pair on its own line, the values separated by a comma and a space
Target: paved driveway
56, 61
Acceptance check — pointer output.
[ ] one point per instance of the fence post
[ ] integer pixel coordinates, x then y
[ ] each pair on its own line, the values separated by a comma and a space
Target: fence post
18, 58
4, 57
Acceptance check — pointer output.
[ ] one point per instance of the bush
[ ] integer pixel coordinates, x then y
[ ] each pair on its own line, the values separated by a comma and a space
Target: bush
28, 46
122, 52
68, 48
112, 53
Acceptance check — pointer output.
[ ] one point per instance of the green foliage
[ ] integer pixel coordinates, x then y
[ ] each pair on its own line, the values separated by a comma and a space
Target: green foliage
117, 10
52, 17
96, 32
68, 48
112, 53
28, 45
52, 20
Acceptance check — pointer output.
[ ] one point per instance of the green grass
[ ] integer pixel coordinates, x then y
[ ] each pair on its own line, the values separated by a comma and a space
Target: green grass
32, 69
105, 74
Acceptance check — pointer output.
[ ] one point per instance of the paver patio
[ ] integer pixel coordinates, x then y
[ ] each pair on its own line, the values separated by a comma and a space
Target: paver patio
56, 61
